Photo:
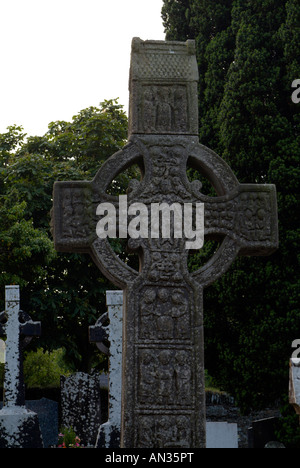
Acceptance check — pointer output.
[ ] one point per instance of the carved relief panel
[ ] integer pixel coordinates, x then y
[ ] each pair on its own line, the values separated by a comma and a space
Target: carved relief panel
164, 315
163, 431
165, 377
163, 109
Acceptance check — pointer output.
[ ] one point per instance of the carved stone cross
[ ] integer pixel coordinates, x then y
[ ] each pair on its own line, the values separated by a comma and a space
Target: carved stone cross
18, 328
163, 402
19, 427
109, 432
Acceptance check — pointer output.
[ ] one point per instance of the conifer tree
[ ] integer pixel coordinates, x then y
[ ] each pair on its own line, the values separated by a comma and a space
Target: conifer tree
248, 54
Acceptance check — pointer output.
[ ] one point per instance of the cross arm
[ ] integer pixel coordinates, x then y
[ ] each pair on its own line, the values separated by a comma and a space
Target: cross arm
99, 333
73, 216
31, 329
246, 221
28, 328
248, 216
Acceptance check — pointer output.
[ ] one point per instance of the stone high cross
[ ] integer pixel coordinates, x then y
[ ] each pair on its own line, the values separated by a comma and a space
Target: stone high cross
19, 427
163, 401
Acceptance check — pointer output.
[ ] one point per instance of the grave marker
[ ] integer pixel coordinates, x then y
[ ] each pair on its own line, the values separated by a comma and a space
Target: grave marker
163, 399
109, 432
81, 405
19, 427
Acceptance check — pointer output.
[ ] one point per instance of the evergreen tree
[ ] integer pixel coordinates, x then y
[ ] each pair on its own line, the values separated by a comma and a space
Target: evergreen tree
248, 55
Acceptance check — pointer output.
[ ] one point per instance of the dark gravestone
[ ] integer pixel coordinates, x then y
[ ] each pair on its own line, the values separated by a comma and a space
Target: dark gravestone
19, 427
262, 432
81, 405
163, 404
47, 411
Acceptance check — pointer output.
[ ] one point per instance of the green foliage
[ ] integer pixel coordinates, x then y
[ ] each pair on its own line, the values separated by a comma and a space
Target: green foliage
43, 369
66, 292
248, 55
288, 428
67, 438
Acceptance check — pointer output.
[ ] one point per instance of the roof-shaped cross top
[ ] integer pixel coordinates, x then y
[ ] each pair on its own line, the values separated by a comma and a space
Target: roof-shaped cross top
163, 372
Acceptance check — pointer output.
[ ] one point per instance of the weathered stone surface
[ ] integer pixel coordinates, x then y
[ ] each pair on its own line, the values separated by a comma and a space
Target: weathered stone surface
163, 362
110, 432
19, 427
81, 405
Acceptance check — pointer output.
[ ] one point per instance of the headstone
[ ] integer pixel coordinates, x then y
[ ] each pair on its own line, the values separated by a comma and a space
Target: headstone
47, 412
81, 405
163, 397
221, 435
262, 432
294, 394
109, 432
274, 445
19, 427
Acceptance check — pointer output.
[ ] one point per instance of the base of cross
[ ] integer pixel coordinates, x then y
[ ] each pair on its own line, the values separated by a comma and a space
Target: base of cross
109, 436
19, 428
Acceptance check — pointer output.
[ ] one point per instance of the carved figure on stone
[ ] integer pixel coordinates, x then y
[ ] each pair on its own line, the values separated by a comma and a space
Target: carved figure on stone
148, 314
147, 377
180, 314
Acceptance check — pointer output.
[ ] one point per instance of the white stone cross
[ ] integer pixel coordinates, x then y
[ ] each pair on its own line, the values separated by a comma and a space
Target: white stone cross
19, 427
109, 433
17, 324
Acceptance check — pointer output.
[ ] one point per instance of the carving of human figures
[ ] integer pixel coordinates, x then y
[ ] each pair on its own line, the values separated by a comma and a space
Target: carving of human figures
67, 213
180, 109
164, 320
180, 315
146, 434
147, 314
164, 376
183, 432
163, 432
183, 376
149, 110
164, 111
79, 220
147, 378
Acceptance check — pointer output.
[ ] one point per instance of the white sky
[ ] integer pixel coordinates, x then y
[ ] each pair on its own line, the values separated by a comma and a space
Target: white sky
61, 56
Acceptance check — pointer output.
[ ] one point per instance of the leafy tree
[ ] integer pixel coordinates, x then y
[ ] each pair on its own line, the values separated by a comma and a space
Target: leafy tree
44, 369
248, 56
65, 291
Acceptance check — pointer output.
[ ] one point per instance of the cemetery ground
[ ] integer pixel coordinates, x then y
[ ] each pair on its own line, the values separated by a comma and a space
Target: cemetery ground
43, 370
